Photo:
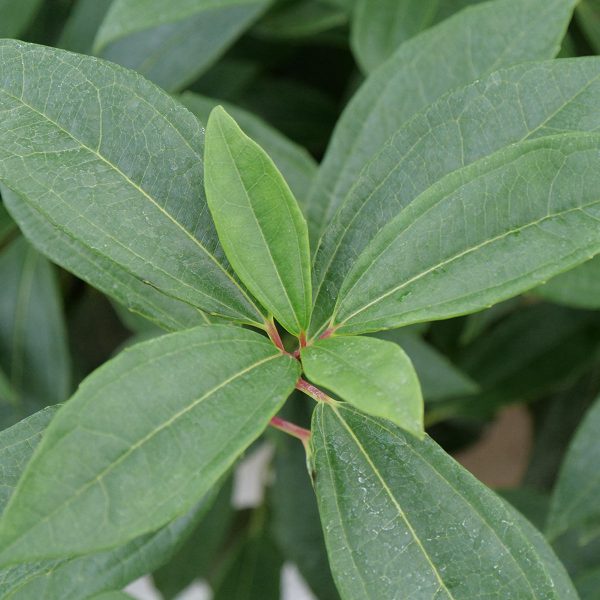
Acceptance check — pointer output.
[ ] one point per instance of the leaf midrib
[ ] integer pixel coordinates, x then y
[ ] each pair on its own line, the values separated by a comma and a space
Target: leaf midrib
140, 443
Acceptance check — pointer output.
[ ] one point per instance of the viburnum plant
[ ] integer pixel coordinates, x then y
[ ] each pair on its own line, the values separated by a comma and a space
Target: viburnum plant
465, 171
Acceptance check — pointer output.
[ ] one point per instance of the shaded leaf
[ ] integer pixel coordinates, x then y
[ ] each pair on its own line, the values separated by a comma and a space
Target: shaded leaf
456, 132
115, 166
16, 16
173, 43
143, 439
374, 375
460, 50
33, 338
296, 165
574, 497
401, 514
7, 225
259, 222
579, 287
82, 25
588, 18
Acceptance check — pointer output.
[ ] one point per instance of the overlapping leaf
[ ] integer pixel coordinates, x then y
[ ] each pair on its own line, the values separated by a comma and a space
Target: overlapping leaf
400, 514
462, 49
578, 287
374, 375
510, 106
259, 222
113, 165
16, 16
143, 439
172, 43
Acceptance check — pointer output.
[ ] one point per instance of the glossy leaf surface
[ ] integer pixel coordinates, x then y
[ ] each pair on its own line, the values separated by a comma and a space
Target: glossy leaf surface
172, 43
400, 514
462, 49
116, 165
460, 129
259, 222
170, 417
374, 375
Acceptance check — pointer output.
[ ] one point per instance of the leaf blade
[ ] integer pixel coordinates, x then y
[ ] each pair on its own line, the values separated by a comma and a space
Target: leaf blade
412, 527
259, 223
139, 189
373, 375
209, 398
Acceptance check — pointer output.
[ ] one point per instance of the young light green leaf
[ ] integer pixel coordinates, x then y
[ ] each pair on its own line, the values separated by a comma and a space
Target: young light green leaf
374, 375
462, 49
259, 222
170, 416
16, 16
539, 217
172, 43
296, 165
388, 503
33, 337
440, 379
508, 107
115, 165
579, 287
574, 499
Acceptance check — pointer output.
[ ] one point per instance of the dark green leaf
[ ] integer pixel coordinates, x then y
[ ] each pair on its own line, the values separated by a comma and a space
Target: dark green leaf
574, 499
400, 514
295, 163
539, 218
578, 287
80, 29
588, 585
7, 225
114, 165
172, 43
196, 556
259, 222
455, 133
111, 596
462, 49
143, 439
33, 338
588, 17
16, 16
373, 375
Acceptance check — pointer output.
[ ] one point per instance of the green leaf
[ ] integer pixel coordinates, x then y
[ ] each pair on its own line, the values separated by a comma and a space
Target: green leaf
115, 165
588, 584
460, 129
296, 165
300, 20
374, 375
7, 225
80, 29
195, 558
16, 16
260, 225
254, 573
579, 287
574, 499
440, 379
460, 50
300, 538
143, 439
539, 218
33, 337
400, 514
172, 43
7, 394
116, 595
588, 18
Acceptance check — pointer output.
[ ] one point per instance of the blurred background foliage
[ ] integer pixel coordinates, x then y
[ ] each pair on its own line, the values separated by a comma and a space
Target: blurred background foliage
285, 70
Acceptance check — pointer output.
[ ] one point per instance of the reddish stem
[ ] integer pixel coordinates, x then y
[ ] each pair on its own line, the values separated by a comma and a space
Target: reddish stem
274, 335
302, 339
327, 333
291, 429
314, 392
